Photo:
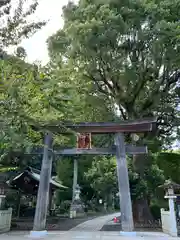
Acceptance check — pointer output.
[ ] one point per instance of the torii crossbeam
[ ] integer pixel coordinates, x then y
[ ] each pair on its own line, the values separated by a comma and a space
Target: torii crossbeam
118, 129
131, 150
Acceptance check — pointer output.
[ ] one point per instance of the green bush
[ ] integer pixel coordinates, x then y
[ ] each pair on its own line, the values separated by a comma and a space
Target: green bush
64, 207
156, 211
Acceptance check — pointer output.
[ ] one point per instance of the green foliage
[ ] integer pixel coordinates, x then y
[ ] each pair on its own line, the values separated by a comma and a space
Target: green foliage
32, 98
169, 162
102, 176
65, 171
16, 76
7, 169
65, 174
146, 184
15, 80
129, 51
156, 211
15, 21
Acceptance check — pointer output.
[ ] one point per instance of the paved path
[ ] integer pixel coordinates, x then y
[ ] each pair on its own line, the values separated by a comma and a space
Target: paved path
88, 231
70, 235
94, 224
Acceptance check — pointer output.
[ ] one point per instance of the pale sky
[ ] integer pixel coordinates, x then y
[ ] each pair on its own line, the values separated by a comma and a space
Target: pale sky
36, 46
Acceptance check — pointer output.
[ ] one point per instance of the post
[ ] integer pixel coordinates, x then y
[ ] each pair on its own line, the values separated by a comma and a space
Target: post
19, 204
173, 223
50, 202
75, 177
123, 182
43, 191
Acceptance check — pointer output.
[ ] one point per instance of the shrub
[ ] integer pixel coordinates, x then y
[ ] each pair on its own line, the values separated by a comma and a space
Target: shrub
156, 211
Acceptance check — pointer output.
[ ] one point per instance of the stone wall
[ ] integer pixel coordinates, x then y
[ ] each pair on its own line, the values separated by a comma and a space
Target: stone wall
5, 220
168, 223
165, 219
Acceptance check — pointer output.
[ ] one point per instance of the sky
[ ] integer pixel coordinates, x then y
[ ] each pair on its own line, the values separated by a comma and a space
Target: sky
36, 45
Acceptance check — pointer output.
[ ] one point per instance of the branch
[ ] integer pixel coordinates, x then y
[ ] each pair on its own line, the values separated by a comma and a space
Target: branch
116, 88
104, 78
122, 113
171, 80
139, 88
148, 103
174, 78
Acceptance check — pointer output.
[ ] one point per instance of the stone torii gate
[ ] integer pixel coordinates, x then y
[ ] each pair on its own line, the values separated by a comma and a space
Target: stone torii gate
120, 150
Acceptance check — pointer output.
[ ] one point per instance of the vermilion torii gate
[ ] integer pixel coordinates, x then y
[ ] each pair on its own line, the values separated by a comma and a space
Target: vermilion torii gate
120, 149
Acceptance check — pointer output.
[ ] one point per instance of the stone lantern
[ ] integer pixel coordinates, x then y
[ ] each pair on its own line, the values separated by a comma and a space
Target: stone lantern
169, 188
77, 193
77, 207
2, 189
2, 193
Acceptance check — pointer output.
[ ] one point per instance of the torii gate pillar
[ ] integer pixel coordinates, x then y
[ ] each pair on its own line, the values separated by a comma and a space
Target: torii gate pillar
123, 183
43, 191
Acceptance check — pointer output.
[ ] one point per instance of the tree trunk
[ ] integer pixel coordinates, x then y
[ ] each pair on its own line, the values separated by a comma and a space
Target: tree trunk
141, 211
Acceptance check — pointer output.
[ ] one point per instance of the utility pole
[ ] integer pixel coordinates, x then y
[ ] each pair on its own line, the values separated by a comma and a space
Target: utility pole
123, 182
43, 191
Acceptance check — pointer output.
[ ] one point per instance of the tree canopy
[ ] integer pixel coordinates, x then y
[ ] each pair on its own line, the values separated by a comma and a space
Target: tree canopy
129, 50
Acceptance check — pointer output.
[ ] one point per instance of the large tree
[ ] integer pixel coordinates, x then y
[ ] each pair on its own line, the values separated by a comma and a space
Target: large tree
16, 23
129, 51
31, 99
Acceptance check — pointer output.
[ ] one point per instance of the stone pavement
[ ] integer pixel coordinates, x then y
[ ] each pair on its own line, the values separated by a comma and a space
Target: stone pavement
75, 235
95, 224
88, 230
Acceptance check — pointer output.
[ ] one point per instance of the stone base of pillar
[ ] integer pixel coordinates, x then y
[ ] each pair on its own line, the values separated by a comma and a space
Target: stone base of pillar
173, 234
38, 234
128, 234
